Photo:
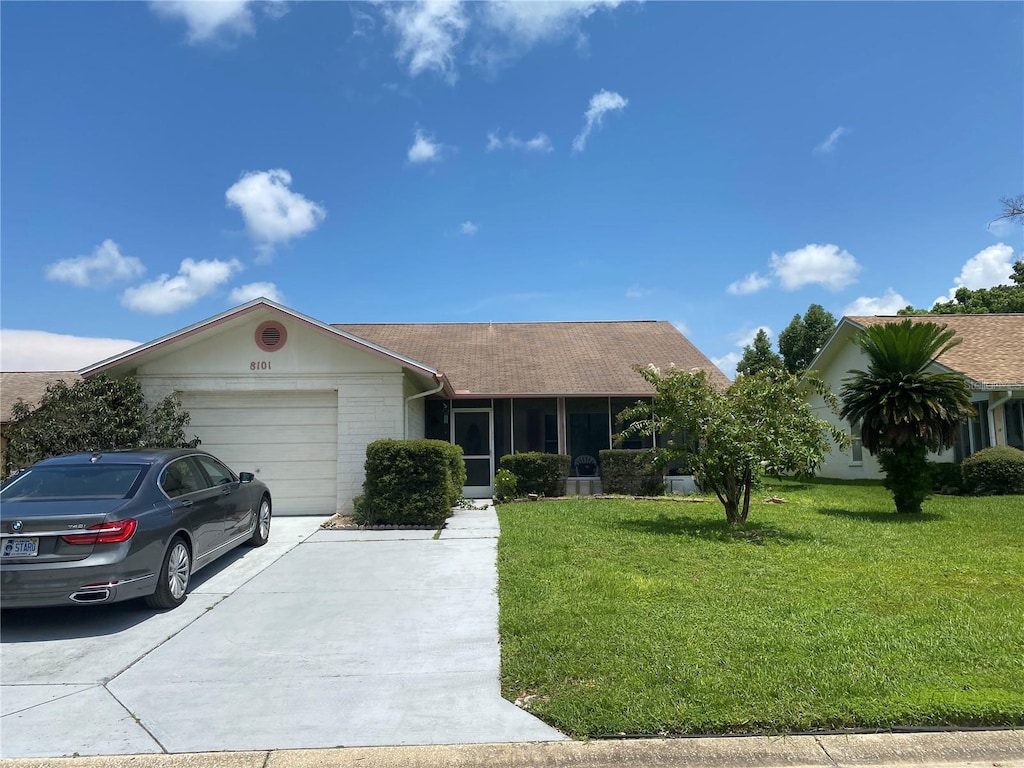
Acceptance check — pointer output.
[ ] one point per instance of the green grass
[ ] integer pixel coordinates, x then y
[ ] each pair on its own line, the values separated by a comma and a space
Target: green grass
826, 612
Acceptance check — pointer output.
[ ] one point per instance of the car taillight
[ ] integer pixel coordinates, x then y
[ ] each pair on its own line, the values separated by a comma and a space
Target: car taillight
104, 533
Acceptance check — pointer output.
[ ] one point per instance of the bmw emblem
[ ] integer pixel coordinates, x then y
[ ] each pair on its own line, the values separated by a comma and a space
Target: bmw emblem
16, 526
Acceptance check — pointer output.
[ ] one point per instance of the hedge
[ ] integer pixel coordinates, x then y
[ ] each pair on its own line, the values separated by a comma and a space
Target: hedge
540, 473
631, 471
994, 471
410, 482
945, 477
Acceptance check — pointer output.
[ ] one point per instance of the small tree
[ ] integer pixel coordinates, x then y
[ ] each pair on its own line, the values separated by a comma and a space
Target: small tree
96, 414
758, 356
906, 410
800, 341
761, 423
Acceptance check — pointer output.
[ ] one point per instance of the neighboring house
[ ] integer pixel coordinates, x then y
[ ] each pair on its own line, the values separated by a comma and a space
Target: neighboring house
28, 386
296, 400
991, 359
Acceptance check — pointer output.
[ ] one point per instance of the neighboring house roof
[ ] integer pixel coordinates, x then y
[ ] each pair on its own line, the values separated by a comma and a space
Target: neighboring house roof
992, 349
28, 386
575, 358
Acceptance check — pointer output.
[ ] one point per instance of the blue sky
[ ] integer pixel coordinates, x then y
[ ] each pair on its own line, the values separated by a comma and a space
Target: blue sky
718, 165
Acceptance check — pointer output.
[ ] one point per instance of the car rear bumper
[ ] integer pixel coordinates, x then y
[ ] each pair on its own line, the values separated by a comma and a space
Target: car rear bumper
25, 588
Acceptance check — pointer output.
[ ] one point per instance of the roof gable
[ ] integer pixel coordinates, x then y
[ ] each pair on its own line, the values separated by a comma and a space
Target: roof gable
577, 358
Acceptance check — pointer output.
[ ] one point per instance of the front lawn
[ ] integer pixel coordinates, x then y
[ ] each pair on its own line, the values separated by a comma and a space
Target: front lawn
826, 612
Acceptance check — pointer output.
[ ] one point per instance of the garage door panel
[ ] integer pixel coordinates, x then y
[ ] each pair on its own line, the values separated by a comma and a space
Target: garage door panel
288, 439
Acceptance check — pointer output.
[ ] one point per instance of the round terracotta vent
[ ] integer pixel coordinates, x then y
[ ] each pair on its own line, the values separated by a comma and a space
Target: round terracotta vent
271, 336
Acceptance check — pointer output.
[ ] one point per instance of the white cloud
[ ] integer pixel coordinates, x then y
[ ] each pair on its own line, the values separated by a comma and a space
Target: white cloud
989, 267
745, 336
428, 31
888, 304
468, 228
424, 149
727, 363
601, 103
45, 351
105, 265
829, 145
250, 291
1001, 228
209, 21
752, 283
273, 213
741, 338
539, 143
826, 265
636, 292
680, 326
195, 279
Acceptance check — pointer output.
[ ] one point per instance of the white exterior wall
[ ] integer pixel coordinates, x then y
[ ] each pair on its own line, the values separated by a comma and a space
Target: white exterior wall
839, 464
371, 389
417, 411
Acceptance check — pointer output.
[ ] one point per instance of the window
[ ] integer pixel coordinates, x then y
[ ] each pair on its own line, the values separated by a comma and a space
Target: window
1014, 411
95, 481
619, 404
182, 477
589, 433
535, 425
217, 472
856, 444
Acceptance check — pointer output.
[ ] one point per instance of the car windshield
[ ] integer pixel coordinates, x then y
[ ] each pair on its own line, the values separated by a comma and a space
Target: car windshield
75, 481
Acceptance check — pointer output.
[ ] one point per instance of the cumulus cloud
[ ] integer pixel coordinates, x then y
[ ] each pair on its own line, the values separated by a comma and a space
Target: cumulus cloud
752, 283
105, 265
250, 291
992, 266
219, 20
826, 265
195, 279
888, 304
468, 228
829, 145
601, 103
428, 32
539, 143
45, 351
424, 149
273, 213
741, 338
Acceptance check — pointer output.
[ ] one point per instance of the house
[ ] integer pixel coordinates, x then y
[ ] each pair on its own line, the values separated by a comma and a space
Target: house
297, 400
28, 386
991, 359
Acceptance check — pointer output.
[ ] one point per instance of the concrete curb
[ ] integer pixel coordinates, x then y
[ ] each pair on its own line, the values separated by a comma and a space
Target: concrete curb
953, 749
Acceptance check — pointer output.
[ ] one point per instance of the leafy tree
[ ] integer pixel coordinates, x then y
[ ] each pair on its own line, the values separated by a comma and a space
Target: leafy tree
760, 423
981, 301
906, 410
804, 336
758, 356
96, 414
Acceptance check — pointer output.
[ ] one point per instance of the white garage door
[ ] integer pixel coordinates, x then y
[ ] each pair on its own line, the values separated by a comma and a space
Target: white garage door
288, 439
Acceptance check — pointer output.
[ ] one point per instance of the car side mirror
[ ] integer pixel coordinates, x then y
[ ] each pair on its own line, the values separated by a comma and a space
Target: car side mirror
246, 477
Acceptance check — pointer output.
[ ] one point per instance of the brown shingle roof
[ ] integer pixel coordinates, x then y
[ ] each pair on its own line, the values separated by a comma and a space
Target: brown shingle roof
992, 350
28, 386
541, 358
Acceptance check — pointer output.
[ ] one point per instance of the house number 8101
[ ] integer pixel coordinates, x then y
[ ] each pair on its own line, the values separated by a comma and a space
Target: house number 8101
259, 365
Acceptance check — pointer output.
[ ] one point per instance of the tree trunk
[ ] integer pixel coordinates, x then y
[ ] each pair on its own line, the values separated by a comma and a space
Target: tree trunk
748, 481
731, 498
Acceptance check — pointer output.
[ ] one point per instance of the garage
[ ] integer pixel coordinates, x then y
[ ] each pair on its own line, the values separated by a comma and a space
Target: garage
288, 439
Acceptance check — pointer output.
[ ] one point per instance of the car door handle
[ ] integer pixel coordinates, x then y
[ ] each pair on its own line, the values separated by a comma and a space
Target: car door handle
226, 491
186, 502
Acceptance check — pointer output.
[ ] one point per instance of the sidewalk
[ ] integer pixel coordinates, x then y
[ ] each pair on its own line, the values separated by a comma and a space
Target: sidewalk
961, 749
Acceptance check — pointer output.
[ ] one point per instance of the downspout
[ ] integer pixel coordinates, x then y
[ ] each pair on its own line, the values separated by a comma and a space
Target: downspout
992, 418
417, 396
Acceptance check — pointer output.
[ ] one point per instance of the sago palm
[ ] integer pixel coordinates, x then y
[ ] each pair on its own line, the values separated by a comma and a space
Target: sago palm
906, 410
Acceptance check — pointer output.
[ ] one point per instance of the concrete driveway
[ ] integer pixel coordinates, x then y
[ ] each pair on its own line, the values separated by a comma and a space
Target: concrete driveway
319, 639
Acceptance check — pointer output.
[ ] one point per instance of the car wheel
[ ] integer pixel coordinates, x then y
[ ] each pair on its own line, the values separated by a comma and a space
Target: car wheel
172, 583
261, 533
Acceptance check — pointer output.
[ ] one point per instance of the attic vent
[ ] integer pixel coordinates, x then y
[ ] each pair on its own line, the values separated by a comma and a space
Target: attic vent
271, 336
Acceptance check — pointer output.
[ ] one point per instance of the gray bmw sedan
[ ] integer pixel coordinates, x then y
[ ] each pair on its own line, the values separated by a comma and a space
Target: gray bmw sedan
105, 527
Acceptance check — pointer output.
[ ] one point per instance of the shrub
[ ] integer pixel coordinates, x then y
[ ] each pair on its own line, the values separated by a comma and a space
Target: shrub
410, 482
945, 477
994, 471
505, 485
540, 473
635, 472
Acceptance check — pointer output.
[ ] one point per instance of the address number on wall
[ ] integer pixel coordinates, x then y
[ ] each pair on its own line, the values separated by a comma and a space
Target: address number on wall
259, 365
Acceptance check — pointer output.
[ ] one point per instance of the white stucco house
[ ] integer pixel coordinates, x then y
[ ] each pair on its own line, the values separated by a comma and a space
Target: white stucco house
297, 400
991, 359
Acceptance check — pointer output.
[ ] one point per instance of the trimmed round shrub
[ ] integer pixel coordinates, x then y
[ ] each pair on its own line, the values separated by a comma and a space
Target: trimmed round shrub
994, 471
632, 471
540, 473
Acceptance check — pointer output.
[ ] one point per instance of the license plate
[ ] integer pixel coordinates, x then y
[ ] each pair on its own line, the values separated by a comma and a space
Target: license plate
28, 547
